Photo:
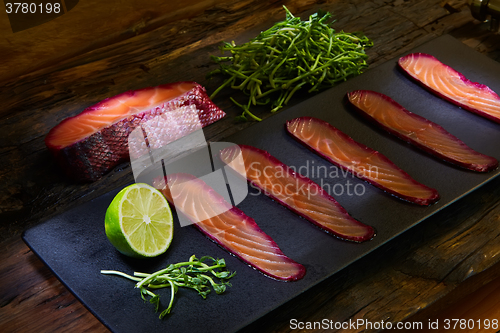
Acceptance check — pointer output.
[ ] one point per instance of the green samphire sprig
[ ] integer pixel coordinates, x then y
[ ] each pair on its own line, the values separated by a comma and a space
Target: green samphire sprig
194, 274
291, 55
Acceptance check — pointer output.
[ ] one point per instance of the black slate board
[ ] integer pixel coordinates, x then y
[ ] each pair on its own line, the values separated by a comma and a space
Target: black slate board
75, 247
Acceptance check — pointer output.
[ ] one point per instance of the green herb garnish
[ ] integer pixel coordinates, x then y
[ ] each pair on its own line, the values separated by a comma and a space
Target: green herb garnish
291, 55
193, 274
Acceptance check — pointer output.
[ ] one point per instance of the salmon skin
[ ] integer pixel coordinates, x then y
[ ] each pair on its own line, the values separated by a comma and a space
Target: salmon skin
358, 159
228, 226
419, 131
296, 192
451, 85
90, 144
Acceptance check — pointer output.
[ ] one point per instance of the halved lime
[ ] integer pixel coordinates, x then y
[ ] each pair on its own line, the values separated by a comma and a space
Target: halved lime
139, 221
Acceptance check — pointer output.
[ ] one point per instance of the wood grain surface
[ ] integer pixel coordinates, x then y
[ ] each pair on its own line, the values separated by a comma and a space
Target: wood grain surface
117, 46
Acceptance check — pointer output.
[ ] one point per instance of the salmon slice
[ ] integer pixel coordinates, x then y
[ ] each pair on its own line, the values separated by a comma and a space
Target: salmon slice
90, 144
452, 85
360, 160
228, 226
419, 131
296, 192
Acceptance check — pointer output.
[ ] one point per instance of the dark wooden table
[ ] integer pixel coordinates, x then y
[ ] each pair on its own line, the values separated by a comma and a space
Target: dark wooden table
451, 255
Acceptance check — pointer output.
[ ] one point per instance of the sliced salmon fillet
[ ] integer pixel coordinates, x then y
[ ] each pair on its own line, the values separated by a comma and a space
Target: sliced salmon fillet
419, 131
228, 226
452, 85
93, 142
296, 192
360, 160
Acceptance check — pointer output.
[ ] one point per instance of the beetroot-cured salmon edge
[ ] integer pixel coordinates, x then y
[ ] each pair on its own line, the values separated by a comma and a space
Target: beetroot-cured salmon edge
301, 269
423, 202
97, 105
479, 168
90, 158
479, 86
370, 230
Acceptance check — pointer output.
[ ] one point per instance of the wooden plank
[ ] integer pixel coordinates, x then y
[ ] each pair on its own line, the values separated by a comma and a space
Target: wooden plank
35, 301
90, 25
417, 270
